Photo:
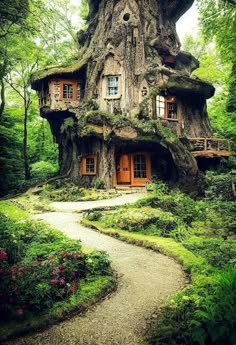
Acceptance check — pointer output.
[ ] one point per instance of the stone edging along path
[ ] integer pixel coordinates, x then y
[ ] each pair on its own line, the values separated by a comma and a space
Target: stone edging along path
146, 279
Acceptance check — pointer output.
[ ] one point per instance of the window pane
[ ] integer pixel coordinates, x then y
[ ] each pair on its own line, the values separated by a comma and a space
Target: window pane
90, 165
172, 111
140, 166
160, 106
112, 86
67, 90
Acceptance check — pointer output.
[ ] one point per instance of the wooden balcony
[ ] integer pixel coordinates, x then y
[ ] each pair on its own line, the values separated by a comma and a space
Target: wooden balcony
209, 147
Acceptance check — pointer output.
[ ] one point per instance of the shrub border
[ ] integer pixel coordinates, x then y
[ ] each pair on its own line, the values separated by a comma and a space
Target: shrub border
86, 297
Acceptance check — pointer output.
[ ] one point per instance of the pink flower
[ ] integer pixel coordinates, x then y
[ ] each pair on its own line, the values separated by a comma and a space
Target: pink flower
20, 312
51, 257
62, 281
73, 274
57, 270
72, 289
54, 281
62, 253
3, 255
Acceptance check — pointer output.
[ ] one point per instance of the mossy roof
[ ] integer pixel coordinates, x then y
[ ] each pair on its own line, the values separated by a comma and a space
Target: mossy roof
185, 84
57, 71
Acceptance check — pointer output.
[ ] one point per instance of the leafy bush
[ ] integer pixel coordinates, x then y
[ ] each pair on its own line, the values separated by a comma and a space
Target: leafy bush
180, 204
220, 185
218, 252
73, 189
201, 314
42, 170
145, 219
99, 184
98, 263
39, 265
94, 216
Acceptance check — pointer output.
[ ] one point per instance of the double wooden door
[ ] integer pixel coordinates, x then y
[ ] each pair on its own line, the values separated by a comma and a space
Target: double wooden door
133, 169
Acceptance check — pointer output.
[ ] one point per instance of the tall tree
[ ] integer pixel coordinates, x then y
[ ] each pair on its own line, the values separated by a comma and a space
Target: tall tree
12, 16
27, 57
218, 22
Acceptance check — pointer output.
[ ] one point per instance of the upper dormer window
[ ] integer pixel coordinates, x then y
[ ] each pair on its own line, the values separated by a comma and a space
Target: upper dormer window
166, 108
112, 86
68, 91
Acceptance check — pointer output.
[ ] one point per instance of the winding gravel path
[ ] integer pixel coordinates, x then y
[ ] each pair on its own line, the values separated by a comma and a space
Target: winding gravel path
74, 206
146, 279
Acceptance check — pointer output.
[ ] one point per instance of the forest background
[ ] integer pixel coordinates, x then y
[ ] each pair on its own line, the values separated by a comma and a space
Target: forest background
35, 34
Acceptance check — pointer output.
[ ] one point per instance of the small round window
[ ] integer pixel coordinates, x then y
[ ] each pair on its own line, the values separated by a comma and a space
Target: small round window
126, 17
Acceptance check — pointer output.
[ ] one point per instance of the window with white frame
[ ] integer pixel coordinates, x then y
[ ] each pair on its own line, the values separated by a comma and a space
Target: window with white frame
68, 91
112, 86
90, 165
140, 168
166, 108
160, 106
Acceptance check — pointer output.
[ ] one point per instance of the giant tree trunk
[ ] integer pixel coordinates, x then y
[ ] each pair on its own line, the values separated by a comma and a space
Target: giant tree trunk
132, 36
3, 102
131, 40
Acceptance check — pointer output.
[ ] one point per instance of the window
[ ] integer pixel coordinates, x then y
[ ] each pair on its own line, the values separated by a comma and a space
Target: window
68, 91
171, 110
44, 95
140, 167
89, 165
166, 108
112, 86
160, 106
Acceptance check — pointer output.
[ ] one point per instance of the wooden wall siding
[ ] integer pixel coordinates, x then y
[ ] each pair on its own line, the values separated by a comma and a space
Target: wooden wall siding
55, 100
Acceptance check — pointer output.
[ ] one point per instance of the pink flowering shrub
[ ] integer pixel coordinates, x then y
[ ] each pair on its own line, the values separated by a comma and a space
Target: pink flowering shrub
47, 267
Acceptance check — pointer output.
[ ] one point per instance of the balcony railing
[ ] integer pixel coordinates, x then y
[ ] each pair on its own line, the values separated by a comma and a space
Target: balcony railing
209, 147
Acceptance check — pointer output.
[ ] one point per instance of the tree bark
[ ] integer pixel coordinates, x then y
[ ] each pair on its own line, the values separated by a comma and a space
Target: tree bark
25, 143
2, 105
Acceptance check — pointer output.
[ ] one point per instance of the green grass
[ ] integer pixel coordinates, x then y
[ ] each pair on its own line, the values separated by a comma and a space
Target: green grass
89, 293
11, 210
166, 246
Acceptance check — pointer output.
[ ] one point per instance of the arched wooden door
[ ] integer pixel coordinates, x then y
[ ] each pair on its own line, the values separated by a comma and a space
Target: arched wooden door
123, 169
